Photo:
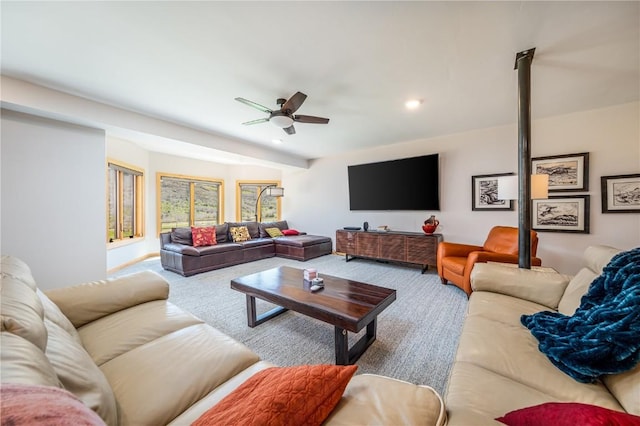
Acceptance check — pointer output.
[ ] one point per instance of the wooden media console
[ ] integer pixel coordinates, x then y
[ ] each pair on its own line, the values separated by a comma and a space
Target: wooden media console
406, 247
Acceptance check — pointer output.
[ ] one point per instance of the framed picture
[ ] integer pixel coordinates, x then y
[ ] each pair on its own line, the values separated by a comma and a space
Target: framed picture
484, 193
561, 214
568, 172
620, 194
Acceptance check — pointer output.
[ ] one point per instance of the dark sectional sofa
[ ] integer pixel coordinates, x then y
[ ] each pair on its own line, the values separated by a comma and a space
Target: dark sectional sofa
178, 254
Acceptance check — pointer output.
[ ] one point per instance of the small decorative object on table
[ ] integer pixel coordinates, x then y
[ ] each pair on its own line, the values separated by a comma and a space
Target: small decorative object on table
430, 225
310, 274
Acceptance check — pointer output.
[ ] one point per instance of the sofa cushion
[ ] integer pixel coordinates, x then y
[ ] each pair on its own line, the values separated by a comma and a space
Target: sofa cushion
274, 232
370, 399
300, 395
301, 240
205, 236
239, 233
87, 302
113, 335
182, 236
567, 414
23, 362
30, 405
626, 388
22, 311
281, 225
175, 371
577, 288
258, 242
55, 315
222, 233
289, 232
78, 374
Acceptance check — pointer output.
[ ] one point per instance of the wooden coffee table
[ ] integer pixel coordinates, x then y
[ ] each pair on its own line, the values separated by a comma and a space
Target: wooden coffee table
347, 305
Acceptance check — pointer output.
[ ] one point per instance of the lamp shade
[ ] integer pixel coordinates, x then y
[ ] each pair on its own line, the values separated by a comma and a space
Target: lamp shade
275, 191
508, 187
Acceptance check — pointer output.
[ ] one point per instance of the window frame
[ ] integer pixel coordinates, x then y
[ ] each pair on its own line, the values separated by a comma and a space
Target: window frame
262, 184
192, 180
138, 174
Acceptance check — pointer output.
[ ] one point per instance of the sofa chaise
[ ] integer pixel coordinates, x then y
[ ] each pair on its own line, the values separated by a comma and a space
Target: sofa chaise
498, 367
127, 356
178, 253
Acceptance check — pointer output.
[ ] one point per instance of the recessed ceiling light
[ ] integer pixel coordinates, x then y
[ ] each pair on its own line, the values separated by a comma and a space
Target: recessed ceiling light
276, 141
413, 103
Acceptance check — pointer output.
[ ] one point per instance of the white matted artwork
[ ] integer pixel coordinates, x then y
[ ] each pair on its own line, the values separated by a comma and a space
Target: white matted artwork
484, 193
621, 193
568, 172
561, 214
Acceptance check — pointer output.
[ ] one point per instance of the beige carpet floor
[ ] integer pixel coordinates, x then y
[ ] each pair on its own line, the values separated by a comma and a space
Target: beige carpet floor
417, 334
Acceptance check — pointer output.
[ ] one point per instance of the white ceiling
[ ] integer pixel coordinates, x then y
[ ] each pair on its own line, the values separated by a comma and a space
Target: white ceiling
358, 62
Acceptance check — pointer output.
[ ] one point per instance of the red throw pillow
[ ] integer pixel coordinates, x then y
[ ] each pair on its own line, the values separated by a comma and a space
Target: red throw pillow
203, 236
301, 395
568, 414
290, 232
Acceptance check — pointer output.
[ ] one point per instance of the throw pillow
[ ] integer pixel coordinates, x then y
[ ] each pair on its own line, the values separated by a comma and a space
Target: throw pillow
35, 404
203, 236
290, 232
239, 234
274, 232
301, 395
568, 414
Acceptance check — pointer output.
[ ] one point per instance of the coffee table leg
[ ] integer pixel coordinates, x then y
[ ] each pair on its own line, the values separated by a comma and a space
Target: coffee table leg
342, 346
346, 356
253, 319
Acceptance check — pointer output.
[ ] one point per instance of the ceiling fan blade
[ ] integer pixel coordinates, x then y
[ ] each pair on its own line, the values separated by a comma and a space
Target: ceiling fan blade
259, 120
294, 102
254, 105
290, 130
310, 119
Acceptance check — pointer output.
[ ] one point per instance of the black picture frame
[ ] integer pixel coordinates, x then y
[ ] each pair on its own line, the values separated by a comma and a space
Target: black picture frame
563, 213
567, 172
620, 193
484, 193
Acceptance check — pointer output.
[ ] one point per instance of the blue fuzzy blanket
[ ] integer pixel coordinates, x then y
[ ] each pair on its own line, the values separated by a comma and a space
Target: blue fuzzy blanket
603, 335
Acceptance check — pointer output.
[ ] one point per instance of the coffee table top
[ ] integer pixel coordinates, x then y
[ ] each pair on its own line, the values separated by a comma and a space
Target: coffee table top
344, 303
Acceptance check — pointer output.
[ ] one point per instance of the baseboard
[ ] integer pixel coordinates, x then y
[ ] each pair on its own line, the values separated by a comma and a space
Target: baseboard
132, 262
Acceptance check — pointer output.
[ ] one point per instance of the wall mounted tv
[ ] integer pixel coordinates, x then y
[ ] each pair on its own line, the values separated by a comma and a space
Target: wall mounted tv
405, 184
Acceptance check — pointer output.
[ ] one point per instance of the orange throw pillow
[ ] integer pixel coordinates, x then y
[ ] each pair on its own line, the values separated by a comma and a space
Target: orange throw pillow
301, 395
203, 236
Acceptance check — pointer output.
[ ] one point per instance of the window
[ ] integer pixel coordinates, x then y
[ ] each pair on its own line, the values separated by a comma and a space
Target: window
247, 197
188, 201
124, 202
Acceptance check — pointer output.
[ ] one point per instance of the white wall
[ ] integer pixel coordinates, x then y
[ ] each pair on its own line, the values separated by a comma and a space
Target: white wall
317, 199
53, 203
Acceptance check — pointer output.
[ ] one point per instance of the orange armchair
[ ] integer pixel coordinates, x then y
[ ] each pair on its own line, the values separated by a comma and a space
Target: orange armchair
455, 261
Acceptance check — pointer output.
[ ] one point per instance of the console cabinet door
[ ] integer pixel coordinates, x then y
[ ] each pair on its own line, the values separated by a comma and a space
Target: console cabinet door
423, 249
346, 242
393, 247
367, 244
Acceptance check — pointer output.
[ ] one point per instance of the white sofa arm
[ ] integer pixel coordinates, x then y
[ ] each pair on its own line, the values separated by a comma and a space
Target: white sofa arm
88, 302
545, 286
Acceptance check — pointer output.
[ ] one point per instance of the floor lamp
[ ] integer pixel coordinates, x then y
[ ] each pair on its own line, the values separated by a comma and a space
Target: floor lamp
272, 190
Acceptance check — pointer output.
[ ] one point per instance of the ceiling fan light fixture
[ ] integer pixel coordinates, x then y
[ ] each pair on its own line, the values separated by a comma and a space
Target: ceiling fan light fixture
281, 121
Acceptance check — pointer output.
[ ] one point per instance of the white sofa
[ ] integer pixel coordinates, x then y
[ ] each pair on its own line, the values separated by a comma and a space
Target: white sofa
498, 367
136, 359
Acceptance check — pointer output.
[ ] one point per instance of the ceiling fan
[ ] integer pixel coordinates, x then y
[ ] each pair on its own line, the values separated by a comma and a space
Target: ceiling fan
284, 117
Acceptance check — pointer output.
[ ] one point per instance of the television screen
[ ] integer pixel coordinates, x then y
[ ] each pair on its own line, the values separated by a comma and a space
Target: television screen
405, 184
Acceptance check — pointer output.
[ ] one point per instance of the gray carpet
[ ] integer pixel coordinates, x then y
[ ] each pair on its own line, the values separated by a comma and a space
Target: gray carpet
417, 334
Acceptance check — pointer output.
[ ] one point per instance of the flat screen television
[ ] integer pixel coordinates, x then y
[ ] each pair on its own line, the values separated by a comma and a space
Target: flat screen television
405, 184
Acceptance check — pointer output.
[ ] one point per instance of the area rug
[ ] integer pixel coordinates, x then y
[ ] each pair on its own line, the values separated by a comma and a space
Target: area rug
417, 334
